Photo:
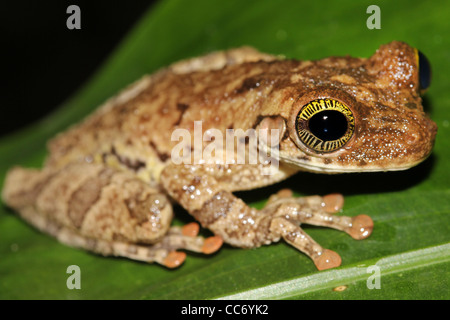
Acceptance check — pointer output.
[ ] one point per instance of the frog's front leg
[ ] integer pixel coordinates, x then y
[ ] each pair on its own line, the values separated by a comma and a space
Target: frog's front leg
103, 210
227, 216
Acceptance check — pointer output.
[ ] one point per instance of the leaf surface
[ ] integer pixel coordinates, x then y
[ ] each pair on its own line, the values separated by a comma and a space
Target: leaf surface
410, 242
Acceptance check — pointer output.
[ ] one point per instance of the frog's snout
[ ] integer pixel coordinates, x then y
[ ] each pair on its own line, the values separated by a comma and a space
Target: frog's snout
427, 135
421, 142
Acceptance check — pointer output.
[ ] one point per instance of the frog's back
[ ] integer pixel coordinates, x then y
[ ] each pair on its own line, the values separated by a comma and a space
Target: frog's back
134, 129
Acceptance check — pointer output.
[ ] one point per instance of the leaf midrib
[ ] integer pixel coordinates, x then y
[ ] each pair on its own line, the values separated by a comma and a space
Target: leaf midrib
332, 278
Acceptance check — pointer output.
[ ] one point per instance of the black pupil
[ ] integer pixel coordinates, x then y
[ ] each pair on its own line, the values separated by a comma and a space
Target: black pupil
424, 71
328, 125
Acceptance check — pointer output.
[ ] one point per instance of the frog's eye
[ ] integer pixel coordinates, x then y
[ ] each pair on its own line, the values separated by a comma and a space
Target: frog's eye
424, 71
325, 125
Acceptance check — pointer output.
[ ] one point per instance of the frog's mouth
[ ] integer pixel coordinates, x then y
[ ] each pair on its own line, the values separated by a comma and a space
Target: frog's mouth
325, 166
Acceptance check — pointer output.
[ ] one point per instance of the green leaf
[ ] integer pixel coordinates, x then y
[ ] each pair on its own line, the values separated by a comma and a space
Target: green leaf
410, 242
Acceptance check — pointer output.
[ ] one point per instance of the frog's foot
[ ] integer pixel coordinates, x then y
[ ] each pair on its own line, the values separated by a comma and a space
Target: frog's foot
320, 211
187, 238
296, 237
164, 252
289, 212
358, 227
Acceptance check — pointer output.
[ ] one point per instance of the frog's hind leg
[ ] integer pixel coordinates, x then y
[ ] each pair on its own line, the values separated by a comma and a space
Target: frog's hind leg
164, 253
74, 239
103, 210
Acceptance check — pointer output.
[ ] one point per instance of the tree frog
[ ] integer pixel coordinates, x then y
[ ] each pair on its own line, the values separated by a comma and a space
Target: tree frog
110, 182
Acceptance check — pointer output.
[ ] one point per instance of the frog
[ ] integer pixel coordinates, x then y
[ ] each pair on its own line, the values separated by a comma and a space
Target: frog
110, 183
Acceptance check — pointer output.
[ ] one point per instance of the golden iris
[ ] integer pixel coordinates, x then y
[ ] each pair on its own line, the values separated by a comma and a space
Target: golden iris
325, 125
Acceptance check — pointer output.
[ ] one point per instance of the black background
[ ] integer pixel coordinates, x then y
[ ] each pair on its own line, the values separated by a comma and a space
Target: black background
44, 63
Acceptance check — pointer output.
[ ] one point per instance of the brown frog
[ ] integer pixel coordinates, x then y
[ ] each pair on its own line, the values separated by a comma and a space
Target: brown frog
108, 183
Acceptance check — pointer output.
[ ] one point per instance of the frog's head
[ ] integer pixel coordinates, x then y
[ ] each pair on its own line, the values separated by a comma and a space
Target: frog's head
356, 115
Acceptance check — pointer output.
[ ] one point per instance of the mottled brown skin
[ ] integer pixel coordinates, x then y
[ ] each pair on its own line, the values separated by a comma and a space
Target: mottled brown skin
238, 89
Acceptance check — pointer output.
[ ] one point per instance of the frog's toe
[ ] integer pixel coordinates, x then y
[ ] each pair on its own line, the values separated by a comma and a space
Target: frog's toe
299, 239
333, 203
174, 259
212, 244
190, 229
282, 194
187, 238
361, 227
327, 259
